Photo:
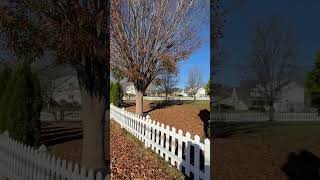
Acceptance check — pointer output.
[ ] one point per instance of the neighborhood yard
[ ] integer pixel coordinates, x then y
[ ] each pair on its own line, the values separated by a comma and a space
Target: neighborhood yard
185, 115
129, 158
266, 150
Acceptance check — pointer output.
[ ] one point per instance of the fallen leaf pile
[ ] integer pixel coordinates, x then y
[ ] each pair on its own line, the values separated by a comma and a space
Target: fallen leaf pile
129, 159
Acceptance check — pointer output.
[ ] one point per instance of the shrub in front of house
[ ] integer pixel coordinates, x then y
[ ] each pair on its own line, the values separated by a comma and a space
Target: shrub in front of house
116, 94
21, 105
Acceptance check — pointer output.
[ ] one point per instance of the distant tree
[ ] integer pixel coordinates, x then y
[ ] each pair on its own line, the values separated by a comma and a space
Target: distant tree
167, 81
272, 55
313, 83
149, 37
194, 80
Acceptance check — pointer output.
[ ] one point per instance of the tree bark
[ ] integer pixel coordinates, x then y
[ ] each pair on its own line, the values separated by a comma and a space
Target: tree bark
139, 102
92, 144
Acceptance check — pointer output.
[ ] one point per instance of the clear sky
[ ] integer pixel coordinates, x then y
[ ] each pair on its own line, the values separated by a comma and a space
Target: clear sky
199, 59
242, 17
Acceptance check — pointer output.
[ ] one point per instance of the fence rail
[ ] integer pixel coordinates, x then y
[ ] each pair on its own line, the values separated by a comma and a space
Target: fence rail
187, 154
256, 116
177, 98
21, 162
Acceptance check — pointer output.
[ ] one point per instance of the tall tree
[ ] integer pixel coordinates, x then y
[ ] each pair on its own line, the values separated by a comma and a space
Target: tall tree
272, 56
167, 81
149, 37
194, 80
77, 31
216, 34
313, 83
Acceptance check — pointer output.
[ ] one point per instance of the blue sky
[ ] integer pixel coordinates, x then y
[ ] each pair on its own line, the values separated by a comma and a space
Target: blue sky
242, 17
199, 59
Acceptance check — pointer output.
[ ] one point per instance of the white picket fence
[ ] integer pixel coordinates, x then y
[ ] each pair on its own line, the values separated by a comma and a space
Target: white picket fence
187, 154
21, 162
256, 116
176, 98
67, 116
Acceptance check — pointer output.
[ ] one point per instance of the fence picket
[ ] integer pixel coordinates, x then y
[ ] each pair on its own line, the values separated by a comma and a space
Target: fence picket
207, 158
180, 134
173, 146
19, 161
197, 157
186, 154
165, 142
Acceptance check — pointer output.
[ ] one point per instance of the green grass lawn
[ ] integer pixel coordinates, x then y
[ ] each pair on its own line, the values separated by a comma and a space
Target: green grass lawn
201, 104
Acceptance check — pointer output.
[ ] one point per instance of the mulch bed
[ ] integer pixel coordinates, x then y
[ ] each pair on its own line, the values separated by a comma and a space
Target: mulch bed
129, 159
182, 116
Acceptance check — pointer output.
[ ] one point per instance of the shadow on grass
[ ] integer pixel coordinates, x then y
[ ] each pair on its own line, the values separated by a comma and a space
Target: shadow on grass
302, 166
164, 104
126, 104
227, 129
204, 115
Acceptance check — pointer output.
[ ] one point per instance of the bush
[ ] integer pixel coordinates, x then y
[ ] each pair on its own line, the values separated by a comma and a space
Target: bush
4, 79
116, 94
22, 115
111, 86
5, 100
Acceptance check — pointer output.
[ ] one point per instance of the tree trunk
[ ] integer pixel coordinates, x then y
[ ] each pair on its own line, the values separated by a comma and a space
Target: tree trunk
139, 102
92, 144
166, 96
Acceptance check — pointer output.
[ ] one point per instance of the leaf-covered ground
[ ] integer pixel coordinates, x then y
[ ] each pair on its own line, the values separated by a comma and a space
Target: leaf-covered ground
189, 116
130, 160
267, 151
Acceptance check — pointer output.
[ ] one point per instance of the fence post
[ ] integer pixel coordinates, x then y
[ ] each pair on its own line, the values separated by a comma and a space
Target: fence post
207, 158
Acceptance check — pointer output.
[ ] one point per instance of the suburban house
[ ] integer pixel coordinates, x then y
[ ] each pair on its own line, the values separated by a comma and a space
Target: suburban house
201, 92
181, 93
130, 90
247, 97
234, 101
68, 91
